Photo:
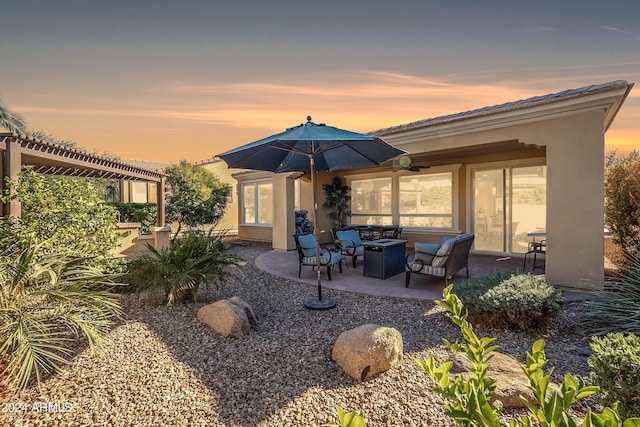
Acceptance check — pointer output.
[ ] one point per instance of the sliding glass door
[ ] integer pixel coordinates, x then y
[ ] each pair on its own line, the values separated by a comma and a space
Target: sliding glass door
490, 210
507, 204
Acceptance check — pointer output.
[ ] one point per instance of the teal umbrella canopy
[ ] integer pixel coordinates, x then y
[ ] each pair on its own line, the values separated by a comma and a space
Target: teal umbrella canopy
331, 148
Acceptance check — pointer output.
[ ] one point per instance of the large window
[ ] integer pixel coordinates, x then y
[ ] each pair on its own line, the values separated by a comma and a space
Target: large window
426, 200
257, 203
371, 201
412, 200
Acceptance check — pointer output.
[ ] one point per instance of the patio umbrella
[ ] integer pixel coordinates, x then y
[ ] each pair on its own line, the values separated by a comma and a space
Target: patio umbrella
311, 147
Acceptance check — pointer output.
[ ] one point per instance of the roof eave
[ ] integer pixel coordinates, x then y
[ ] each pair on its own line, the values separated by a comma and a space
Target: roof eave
619, 89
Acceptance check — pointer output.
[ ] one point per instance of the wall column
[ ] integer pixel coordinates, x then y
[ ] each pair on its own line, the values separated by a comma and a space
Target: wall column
284, 222
575, 205
14, 166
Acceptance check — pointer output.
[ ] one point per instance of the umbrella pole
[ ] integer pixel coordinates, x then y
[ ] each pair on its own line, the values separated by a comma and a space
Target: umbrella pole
327, 303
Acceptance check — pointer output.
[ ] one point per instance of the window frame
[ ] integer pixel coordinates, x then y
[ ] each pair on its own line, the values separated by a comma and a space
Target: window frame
256, 202
454, 169
429, 215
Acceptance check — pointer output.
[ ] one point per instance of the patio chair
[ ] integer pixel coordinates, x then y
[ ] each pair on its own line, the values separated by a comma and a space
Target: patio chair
535, 249
348, 242
440, 260
306, 247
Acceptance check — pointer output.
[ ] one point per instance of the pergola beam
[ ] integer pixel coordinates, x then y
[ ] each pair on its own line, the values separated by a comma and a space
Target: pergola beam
53, 159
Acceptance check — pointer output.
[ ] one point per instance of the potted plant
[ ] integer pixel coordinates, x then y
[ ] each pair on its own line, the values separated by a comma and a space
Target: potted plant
339, 200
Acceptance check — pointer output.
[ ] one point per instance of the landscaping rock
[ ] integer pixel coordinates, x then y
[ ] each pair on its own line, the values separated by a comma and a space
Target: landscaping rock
230, 318
367, 350
253, 321
511, 382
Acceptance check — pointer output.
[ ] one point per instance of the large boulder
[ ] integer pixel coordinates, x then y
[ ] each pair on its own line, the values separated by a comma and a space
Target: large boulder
246, 308
511, 382
230, 318
367, 350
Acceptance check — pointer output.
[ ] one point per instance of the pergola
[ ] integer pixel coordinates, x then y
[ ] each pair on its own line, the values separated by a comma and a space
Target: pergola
53, 159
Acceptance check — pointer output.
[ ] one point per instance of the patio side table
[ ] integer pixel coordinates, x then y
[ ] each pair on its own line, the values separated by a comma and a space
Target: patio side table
383, 258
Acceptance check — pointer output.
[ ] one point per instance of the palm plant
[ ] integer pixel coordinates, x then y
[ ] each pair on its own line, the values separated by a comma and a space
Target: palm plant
11, 121
339, 199
45, 299
182, 267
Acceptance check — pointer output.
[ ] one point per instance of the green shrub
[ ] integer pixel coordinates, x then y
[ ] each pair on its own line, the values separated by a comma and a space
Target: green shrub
616, 307
615, 364
144, 213
60, 214
180, 269
510, 301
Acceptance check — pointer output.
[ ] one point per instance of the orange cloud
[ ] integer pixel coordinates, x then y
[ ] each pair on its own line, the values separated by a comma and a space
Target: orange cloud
210, 118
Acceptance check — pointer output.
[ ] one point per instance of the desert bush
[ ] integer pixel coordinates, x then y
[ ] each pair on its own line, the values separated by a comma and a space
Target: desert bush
45, 299
615, 308
615, 364
622, 200
180, 269
144, 213
510, 301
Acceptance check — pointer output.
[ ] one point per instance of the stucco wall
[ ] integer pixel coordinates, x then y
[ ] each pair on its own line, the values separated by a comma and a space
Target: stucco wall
574, 145
230, 219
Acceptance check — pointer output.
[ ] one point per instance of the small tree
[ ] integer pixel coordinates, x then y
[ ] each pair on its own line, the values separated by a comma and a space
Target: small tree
339, 199
195, 196
622, 200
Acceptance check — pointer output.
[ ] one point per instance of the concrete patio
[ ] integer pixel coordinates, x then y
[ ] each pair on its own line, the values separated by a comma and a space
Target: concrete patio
285, 264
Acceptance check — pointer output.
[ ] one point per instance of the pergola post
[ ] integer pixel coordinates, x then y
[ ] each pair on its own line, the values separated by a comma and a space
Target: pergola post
13, 168
161, 202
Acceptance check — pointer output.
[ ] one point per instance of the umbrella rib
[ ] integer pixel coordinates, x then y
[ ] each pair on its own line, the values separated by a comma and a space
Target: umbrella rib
257, 153
341, 144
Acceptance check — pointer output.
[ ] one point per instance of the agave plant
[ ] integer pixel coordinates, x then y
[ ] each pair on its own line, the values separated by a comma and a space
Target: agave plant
617, 307
182, 267
45, 300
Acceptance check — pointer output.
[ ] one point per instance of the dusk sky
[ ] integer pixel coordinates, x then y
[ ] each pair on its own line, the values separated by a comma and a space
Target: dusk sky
164, 81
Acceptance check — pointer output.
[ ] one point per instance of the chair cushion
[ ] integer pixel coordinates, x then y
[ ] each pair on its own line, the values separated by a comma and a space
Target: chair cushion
349, 238
428, 248
307, 244
425, 257
445, 247
326, 257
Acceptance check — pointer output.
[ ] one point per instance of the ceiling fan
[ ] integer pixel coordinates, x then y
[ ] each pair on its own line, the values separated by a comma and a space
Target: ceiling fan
403, 163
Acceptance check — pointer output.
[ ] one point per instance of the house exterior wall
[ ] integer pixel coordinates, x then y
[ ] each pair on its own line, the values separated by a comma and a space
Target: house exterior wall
574, 147
229, 221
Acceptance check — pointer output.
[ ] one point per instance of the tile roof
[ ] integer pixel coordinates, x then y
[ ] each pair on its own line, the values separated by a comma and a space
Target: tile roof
508, 106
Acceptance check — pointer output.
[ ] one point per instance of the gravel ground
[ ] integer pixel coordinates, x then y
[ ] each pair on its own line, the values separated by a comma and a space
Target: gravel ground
161, 366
